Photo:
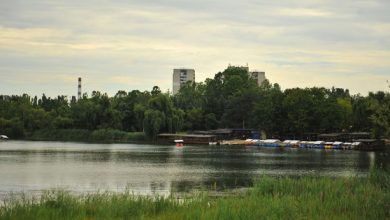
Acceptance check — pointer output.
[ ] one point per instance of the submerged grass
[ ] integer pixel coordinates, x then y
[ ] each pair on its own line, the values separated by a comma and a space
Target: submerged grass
309, 197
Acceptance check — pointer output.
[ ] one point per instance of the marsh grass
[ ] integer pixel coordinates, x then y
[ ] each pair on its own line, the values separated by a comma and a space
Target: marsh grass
309, 197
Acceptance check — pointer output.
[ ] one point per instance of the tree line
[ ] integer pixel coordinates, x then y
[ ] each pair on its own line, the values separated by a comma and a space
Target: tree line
230, 100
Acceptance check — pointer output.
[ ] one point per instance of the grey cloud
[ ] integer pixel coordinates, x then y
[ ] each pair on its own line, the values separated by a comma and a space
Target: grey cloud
118, 38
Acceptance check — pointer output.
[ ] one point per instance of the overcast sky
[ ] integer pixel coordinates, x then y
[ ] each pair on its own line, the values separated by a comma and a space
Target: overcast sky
124, 45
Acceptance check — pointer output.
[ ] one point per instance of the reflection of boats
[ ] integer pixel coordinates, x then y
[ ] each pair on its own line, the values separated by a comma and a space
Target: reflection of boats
3, 137
179, 143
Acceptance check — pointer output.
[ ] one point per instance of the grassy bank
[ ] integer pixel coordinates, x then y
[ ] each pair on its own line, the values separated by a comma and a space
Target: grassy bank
82, 135
271, 198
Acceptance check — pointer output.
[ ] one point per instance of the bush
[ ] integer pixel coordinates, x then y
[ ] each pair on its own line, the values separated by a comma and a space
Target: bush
83, 135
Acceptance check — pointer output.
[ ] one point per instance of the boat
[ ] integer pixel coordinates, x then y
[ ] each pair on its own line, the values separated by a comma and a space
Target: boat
337, 145
303, 144
319, 144
179, 143
356, 145
328, 145
3, 137
251, 141
290, 143
271, 143
347, 146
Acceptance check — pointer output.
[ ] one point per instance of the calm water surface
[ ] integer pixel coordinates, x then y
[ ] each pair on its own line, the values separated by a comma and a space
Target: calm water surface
32, 167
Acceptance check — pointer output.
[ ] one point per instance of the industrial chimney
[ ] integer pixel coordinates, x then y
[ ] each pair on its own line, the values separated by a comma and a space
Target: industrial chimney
79, 89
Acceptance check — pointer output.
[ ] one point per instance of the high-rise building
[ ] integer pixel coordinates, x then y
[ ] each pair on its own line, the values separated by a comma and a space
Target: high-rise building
180, 77
259, 76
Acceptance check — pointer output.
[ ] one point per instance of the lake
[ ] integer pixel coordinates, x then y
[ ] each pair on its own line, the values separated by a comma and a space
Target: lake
32, 167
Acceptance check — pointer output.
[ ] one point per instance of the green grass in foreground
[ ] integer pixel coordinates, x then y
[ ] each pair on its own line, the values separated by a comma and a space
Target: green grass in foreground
270, 198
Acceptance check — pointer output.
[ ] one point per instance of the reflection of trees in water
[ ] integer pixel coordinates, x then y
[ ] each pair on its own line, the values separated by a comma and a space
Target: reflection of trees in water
158, 187
219, 158
142, 157
224, 167
151, 155
382, 159
212, 167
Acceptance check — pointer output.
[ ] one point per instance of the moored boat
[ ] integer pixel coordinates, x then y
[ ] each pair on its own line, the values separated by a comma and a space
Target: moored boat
319, 144
328, 145
271, 143
346, 145
179, 143
303, 144
337, 145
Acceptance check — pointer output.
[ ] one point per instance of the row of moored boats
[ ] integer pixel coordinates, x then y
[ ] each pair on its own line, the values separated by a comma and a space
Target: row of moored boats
304, 144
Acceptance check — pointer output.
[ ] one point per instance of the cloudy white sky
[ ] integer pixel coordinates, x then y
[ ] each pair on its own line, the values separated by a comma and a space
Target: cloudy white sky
124, 45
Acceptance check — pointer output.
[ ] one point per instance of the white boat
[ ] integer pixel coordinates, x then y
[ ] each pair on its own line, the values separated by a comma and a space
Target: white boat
271, 143
337, 145
319, 144
347, 145
179, 142
356, 145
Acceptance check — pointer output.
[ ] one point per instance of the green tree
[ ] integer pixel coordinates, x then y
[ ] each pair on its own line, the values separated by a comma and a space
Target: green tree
268, 112
193, 119
160, 107
153, 122
210, 121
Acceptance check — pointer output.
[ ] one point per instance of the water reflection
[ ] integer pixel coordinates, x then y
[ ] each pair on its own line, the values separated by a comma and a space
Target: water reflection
162, 169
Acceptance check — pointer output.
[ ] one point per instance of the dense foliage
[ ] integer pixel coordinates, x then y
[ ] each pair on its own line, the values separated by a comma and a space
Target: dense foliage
231, 99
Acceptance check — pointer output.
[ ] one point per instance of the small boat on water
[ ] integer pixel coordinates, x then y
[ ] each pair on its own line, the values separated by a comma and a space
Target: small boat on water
328, 145
356, 145
303, 144
319, 144
346, 146
270, 143
3, 137
290, 143
337, 145
179, 143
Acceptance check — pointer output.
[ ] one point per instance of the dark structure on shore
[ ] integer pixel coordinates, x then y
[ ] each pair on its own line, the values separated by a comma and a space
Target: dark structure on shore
187, 138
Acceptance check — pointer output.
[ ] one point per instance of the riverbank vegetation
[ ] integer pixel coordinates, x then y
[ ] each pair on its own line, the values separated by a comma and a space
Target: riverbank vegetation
100, 135
230, 99
309, 197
